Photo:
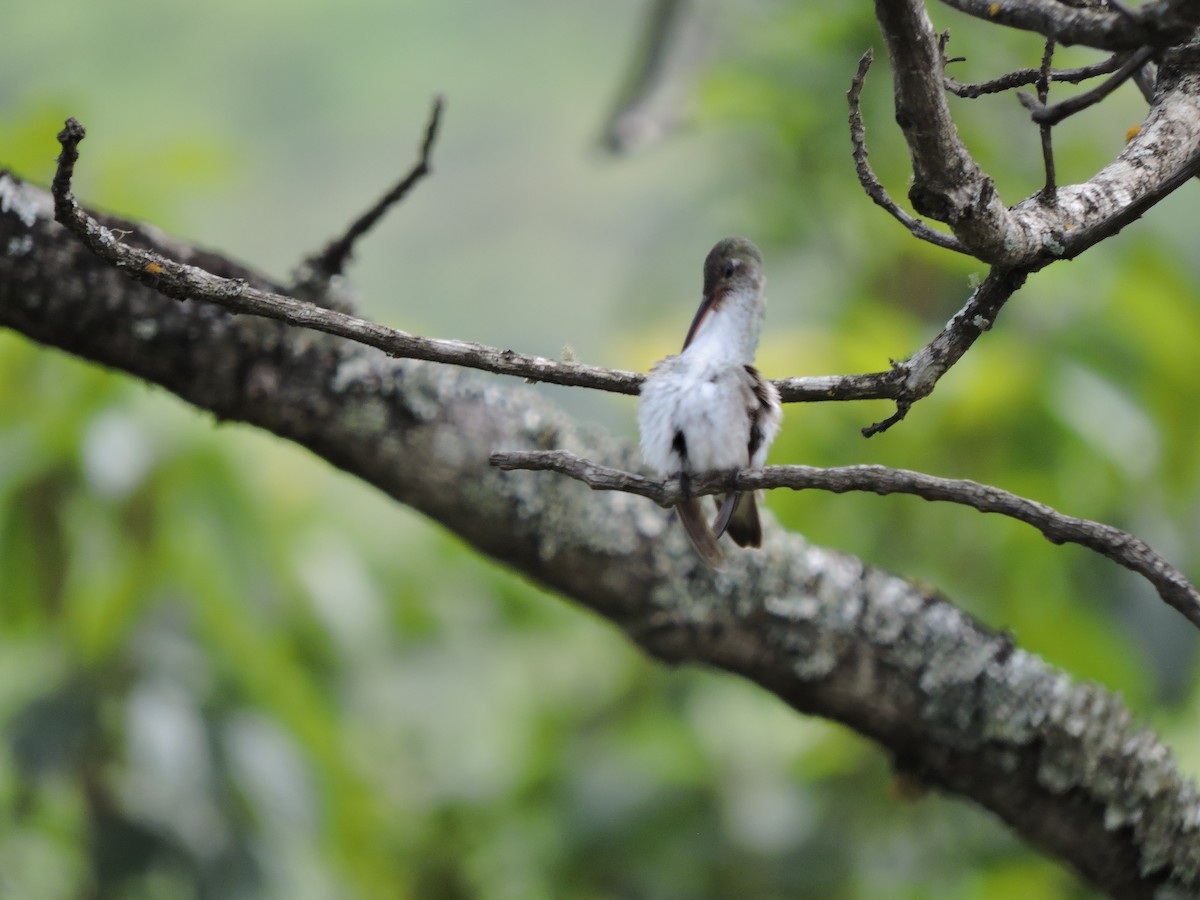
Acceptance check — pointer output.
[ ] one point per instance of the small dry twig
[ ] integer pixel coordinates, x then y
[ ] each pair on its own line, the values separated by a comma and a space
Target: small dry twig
332, 260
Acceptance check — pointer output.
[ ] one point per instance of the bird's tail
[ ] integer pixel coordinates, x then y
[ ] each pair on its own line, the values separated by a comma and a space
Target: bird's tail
739, 515
691, 514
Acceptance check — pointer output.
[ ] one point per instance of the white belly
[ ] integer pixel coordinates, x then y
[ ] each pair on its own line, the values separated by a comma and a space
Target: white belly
708, 405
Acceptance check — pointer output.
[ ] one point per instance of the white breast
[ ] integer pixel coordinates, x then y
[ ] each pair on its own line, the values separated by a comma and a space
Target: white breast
704, 400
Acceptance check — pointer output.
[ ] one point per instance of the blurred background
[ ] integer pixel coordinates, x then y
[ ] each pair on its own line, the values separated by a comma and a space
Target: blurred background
229, 671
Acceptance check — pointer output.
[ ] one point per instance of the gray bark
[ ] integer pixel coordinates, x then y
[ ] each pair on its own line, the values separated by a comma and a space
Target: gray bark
955, 704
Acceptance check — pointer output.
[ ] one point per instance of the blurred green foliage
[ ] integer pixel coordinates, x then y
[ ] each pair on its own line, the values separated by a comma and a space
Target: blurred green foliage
226, 671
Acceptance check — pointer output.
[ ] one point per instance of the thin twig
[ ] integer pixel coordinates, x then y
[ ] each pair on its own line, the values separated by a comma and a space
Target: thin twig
1113, 543
1043, 89
332, 260
1052, 115
867, 178
902, 408
65, 206
1023, 77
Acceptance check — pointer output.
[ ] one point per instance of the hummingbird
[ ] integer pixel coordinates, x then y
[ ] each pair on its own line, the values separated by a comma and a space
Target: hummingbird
707, 408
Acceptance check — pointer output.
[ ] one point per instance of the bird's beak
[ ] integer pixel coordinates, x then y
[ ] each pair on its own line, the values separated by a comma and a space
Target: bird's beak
707, 303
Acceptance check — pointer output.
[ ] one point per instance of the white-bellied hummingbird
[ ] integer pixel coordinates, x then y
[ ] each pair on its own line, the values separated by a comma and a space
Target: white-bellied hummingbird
708, 409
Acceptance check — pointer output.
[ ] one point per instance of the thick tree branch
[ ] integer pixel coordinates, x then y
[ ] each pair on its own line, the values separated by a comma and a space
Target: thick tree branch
954, 703
1159, 23
948, 184
1121, 547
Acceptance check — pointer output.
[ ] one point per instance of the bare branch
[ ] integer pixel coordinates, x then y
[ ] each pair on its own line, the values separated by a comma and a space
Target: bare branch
184, 282
818, 388
1157, 161
1164, 154
1043, 89
332, 260
904, 382
902, 407
867, 178
1113, 543
1159, 23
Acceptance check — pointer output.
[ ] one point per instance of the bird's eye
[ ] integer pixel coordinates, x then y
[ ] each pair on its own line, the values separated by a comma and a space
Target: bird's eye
730, 268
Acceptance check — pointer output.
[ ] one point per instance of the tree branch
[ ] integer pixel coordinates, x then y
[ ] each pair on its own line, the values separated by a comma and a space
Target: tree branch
1159, 23
1164, 155
905, 382
919, 374
867, 178
673, 46
1051, 115
1022, 77
188, 282
332, 260
955, 704
1121, 547
949, 186
1050, 188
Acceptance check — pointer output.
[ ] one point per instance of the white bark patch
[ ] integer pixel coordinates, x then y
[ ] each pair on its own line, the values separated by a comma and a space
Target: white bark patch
28, 203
